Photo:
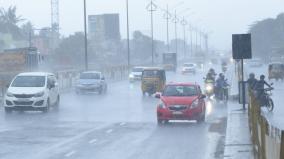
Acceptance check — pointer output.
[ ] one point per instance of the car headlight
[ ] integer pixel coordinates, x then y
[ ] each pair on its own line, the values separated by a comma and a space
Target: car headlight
131, 76
40, 94
162, 105
9, 94
194, 104
209, 88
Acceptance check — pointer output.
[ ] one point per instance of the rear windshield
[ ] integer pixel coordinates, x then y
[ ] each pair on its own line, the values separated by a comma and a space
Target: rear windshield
172, 90
188, 65
151, 73
90, 76
29, 81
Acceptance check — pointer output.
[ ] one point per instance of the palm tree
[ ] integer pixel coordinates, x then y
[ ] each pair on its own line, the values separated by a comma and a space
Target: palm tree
9, 22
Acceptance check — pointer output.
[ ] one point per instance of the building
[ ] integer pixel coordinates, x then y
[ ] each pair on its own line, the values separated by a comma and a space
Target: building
104, 27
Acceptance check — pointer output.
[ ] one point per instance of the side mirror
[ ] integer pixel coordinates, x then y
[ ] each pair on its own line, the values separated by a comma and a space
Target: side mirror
158, 95
202, 96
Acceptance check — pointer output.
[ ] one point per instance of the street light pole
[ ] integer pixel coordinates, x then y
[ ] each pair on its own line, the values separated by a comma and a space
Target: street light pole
176, 21
151, 8
168, 16
128, 47
86, 40
184, 23
191, 40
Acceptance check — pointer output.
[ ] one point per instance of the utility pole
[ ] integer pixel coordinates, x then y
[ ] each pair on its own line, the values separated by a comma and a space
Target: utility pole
167, 16
191, 39
184, 23
151, 8
128, 47
175, 20
86, 38
196, 42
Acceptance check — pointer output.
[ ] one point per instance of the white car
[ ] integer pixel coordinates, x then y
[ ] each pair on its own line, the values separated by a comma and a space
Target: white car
189, 68
136, 74
91, 81
32, 91
255, 63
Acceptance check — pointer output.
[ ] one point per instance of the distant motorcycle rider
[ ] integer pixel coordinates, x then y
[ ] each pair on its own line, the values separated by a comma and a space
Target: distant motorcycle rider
220, 84
211, 74
259, 87
252, 81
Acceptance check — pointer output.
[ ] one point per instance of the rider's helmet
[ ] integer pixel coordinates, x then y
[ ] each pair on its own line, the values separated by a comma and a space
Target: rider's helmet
211, 70
251, 75
262, 77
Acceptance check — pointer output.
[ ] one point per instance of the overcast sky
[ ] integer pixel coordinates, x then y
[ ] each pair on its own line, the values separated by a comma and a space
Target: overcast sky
220, 17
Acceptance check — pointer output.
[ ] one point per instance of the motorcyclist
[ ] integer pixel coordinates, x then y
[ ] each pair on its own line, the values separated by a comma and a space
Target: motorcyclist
211, 74
252, 81
220, 84
259, 87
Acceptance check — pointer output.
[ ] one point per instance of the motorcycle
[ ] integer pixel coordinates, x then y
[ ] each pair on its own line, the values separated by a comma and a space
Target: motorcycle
267, 100
209, 88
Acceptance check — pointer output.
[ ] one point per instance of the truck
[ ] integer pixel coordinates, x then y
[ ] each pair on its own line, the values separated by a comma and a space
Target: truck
170, 61
14, 61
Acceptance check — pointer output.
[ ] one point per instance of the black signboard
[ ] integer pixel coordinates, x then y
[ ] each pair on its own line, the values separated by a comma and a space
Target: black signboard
242, 46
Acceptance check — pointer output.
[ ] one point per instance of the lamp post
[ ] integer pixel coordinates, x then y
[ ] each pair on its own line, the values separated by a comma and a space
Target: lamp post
151, 8
128, 47
86, 40
175, 20
167, 16
184, 23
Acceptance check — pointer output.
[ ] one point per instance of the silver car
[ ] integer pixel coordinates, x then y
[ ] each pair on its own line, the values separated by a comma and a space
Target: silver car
91, 81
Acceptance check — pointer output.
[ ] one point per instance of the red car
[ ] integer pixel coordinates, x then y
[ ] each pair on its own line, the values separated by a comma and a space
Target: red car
181, 101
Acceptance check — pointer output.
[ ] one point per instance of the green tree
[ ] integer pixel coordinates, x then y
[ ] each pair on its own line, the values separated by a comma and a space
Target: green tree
9, 22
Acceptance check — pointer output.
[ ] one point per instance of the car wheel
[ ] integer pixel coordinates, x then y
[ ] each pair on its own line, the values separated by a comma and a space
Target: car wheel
8, 110
202, 117
159, 121
101, 90
57, 102
46, 109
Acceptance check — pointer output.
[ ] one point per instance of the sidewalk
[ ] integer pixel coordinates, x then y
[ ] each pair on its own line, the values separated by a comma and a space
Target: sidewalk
238, 143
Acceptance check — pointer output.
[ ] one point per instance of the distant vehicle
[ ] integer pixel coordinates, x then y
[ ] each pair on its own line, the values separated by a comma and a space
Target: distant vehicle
136, 74
32, 91
170, 61
189, 68
153, 80
255, 63
276, 71
91, 81
181, 101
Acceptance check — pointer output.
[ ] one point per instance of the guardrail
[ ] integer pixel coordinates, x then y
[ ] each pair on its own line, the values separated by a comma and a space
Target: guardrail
67, 78
268, 140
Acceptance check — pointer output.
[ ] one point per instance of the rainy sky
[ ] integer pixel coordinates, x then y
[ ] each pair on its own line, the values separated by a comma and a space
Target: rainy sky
219, 17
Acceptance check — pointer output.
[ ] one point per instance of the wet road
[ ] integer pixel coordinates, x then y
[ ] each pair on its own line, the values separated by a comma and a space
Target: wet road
120, 124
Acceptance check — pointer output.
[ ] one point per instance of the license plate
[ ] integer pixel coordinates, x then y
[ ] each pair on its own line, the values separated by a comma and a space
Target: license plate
23, 100
177, 113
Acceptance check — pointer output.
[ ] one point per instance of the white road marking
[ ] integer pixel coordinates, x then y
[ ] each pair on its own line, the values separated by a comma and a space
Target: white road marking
92, 141
70, 154
121, 124
109, 131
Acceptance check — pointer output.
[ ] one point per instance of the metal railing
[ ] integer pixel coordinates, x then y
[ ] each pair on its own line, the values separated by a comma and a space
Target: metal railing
268, 140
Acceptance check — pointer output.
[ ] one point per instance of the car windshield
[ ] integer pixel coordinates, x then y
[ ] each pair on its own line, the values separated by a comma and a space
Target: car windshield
151, 73
173, 90
188, 65
137, 69
29, 81
90, 76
